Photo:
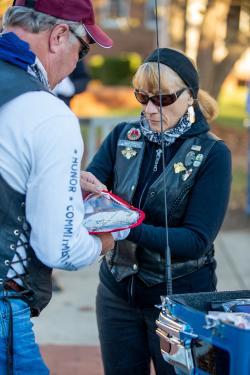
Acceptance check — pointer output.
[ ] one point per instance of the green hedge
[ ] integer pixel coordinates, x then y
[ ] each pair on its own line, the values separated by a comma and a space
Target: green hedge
115, 70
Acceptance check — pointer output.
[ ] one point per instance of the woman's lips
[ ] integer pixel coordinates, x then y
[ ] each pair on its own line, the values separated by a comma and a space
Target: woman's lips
154, 120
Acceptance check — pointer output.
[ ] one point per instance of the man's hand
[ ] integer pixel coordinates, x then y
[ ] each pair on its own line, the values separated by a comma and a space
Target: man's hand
89, 183
108, 242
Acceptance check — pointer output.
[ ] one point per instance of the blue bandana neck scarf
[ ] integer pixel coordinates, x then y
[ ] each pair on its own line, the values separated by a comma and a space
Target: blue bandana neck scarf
169, 136
17, 52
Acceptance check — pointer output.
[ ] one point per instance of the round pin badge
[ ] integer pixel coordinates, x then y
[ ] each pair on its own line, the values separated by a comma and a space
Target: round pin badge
189, 159
134, 134
199, 157
198, 160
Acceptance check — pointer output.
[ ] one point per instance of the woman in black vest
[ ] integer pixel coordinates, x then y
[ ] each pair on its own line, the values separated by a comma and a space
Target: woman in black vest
198, 176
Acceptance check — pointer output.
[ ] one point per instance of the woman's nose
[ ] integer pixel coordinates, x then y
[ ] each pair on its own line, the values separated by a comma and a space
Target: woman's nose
151, 107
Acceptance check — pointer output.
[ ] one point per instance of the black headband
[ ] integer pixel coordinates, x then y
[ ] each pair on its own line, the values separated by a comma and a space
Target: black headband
180, 64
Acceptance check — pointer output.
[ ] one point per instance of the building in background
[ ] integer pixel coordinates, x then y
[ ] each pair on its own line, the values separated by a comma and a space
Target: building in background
131, 24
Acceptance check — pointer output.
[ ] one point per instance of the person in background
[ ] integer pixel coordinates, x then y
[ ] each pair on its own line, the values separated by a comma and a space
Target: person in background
198, 178
75, 83
40, 154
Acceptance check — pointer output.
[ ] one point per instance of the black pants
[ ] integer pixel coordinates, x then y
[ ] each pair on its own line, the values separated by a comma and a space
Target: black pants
126, 320
127, 336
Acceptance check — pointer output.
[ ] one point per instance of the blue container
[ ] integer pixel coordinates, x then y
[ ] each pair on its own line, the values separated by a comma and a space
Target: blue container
195, 344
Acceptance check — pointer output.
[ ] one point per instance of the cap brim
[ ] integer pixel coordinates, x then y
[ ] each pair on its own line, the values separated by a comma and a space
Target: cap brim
98, 36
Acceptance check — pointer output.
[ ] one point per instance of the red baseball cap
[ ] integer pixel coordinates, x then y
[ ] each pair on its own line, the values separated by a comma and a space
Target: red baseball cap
71, 10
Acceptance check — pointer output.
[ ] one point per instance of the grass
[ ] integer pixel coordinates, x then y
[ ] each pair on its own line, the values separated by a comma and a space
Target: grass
232, 103
239, 188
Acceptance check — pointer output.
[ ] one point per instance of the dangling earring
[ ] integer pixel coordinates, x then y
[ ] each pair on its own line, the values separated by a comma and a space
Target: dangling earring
191, 114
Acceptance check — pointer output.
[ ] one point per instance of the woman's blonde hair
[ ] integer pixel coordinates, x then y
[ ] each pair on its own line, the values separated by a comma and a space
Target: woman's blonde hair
146, 79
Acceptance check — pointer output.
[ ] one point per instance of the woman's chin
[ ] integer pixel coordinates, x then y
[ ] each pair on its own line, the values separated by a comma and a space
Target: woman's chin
155, 125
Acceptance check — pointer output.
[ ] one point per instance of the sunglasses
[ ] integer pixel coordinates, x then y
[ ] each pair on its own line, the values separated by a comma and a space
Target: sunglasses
160, 99
84, 46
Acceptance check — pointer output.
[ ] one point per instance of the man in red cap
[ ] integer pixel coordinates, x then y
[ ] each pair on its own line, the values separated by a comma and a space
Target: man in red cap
80, 11
41, 148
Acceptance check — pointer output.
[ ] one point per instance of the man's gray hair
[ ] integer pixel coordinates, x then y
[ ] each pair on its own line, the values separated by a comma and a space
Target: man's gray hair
35, 22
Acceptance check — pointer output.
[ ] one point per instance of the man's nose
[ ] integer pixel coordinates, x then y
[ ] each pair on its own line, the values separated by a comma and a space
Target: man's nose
151, 107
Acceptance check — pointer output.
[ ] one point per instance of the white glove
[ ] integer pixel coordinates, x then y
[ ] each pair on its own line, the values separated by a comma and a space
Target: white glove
120, 235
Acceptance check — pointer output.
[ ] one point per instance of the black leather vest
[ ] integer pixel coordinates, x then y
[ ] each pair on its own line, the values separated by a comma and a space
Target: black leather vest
125, 260
14, 228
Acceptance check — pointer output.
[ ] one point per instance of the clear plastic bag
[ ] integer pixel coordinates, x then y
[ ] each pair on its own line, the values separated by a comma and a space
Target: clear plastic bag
106, 212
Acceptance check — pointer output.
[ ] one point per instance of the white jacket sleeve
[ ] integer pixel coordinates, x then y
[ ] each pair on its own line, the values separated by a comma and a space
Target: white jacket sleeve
54, 206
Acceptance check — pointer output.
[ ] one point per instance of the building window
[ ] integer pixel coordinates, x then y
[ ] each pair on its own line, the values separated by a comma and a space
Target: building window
114, 14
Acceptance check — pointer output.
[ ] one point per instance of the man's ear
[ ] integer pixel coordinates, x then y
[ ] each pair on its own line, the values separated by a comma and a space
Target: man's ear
58, 37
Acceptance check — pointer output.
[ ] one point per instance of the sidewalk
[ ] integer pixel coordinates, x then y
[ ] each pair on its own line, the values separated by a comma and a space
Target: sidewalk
233, 256
67, 328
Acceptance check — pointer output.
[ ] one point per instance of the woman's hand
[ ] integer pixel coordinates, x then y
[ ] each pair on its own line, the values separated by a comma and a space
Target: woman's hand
107, 242
89, 183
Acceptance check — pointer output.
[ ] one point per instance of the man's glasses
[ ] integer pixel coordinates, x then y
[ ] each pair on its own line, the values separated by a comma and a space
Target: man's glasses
163, 99
84, 46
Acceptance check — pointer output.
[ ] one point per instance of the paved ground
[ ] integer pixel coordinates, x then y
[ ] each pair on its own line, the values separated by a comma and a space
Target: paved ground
67, 328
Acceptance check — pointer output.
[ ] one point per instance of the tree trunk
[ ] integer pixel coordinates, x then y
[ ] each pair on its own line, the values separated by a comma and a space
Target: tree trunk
178, 24
214, 73
221, 41
205, 57
236, 44
222, 69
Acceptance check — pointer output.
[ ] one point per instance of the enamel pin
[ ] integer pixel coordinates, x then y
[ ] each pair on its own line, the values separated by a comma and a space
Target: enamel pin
187, 174
128, 152
198, 160
134, 134
196, 148
179, 167
189, 159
